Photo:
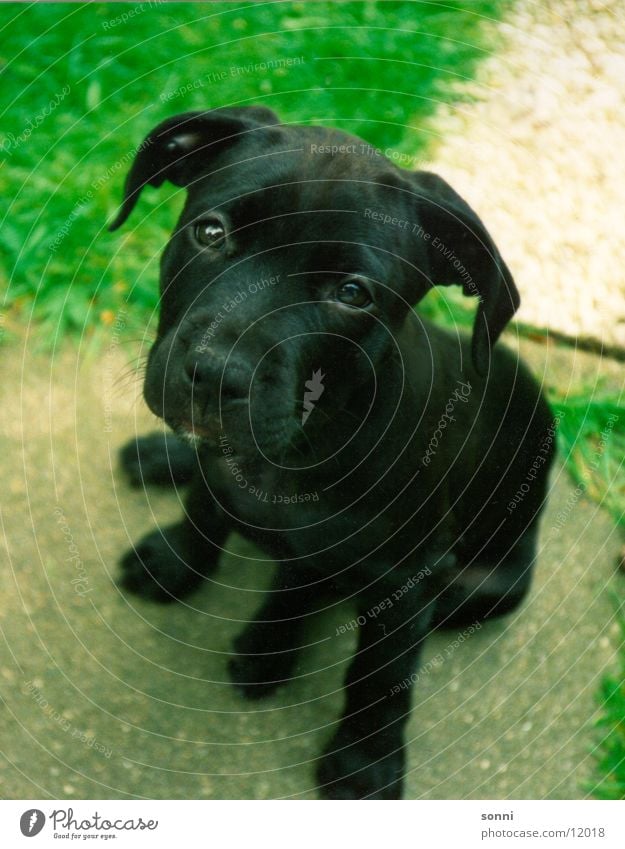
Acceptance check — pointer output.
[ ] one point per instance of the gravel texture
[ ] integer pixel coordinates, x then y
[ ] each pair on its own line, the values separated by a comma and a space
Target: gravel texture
540, 154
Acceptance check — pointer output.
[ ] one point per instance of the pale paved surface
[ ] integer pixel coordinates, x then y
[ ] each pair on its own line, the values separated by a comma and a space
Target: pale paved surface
509, 714
540, 152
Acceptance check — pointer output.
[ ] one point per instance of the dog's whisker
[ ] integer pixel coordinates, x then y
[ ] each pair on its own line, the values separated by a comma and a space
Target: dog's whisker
128, 378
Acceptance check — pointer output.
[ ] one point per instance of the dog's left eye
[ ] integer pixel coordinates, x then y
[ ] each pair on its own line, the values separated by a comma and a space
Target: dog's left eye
210, 233
354, 294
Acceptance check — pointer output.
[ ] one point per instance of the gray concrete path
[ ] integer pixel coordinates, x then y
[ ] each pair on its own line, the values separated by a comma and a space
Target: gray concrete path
107, 696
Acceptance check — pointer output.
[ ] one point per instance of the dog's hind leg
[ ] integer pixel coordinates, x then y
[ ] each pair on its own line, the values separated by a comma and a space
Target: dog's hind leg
493, 583
169, 563
160, 458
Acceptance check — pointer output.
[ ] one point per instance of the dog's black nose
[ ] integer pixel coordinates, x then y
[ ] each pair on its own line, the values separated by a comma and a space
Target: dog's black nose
215, 380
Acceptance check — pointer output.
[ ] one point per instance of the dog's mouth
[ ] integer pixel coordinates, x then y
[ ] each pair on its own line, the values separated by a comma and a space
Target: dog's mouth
280, 439
208, 430
217, 432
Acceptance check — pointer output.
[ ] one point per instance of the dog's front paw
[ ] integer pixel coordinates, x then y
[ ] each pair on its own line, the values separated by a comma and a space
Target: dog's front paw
255, 670
159, 567
356, 769
160, 458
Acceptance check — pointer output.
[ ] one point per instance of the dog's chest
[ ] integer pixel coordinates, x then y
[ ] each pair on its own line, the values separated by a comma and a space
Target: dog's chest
266, 495
295, 513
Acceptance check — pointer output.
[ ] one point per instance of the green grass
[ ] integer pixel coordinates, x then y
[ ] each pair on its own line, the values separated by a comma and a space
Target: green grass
610, 752
376, 69
591, 437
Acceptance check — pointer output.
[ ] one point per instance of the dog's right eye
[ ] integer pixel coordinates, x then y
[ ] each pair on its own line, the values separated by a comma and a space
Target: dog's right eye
210, 233
354, 294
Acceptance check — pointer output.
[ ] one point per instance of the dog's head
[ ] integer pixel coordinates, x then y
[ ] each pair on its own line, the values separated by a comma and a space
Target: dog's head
298, 256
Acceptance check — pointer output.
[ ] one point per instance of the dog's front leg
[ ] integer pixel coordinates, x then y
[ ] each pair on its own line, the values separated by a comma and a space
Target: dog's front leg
366, 756
170, 563
267, 649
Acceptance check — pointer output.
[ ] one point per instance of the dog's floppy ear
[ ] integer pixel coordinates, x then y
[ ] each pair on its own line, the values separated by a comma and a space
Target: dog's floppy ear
175, 148
461, 252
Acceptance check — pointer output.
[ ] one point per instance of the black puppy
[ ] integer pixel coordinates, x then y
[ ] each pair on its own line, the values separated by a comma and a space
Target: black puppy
371, 454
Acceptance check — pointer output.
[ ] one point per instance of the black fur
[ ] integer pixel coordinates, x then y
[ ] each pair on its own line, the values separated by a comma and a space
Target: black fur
400, 487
